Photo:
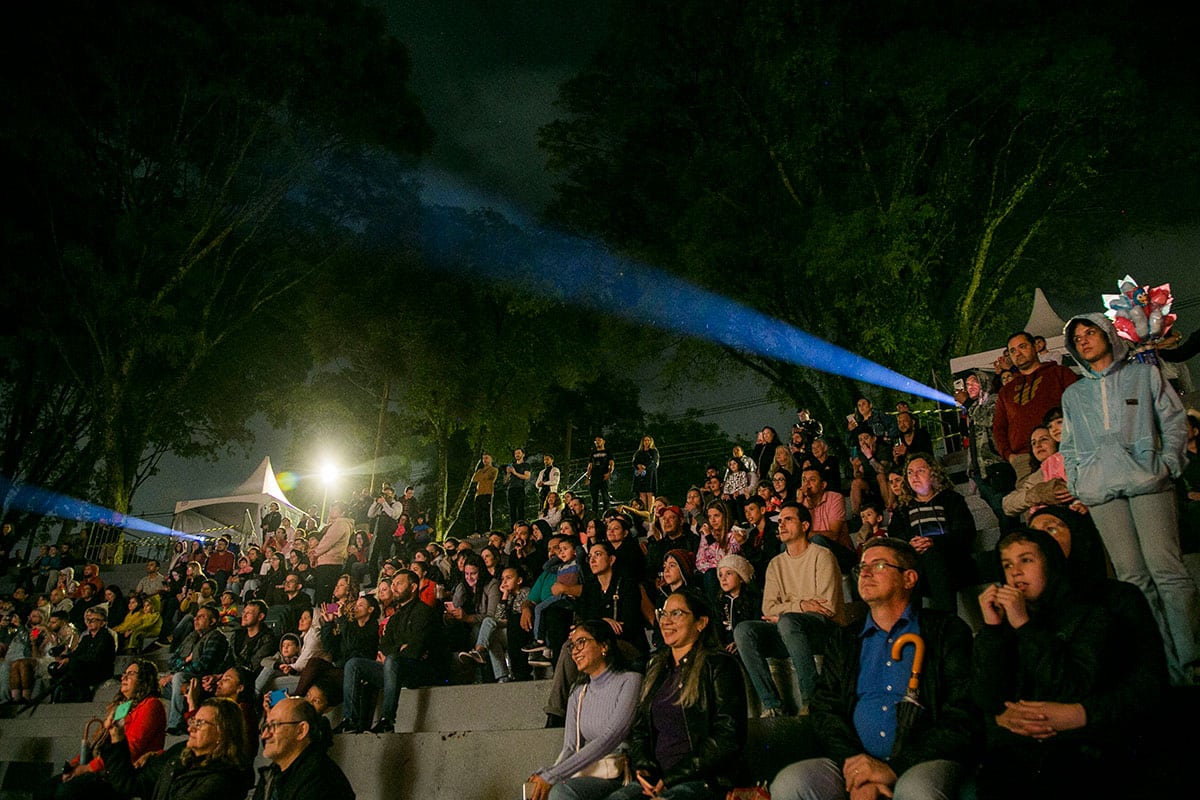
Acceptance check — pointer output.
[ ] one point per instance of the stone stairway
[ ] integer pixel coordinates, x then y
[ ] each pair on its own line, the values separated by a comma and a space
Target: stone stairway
453, 742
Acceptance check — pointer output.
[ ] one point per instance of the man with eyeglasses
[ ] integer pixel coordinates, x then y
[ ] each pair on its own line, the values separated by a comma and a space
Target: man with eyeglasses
802, 604
296, 741
855, 712
90, 663
1022, 403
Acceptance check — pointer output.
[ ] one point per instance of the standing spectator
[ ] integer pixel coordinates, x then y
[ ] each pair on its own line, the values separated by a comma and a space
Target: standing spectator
271, 520
993, 476
485, 486
802, 605
765, 443
1124, 441
516, 475
329, 556
940, 526
645, 471
383, 515
548, 478
855, 710
1036, 388
599, 470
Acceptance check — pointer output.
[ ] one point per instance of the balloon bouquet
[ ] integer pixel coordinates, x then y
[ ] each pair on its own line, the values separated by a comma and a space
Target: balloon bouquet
1141, 316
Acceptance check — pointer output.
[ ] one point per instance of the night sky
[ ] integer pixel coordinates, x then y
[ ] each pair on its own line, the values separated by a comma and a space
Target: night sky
486, 74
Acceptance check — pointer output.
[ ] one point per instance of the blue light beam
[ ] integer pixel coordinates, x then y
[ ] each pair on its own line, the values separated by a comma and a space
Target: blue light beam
584, 273
46, 503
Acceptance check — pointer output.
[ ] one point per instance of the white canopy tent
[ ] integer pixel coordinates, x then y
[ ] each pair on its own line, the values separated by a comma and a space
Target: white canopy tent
240, 511
1043, 321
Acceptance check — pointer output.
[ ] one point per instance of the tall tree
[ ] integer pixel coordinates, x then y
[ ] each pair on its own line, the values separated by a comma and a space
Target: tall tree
889, 178
169, 156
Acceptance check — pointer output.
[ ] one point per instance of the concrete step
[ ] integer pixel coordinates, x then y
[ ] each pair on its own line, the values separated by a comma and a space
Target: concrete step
477, 707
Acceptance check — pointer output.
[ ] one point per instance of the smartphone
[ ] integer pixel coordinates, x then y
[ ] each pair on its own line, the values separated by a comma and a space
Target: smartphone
850, 419
331, 608
960, 385
449, 605
276, 696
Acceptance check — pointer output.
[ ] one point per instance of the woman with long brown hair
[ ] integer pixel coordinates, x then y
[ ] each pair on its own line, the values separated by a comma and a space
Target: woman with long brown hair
210, 765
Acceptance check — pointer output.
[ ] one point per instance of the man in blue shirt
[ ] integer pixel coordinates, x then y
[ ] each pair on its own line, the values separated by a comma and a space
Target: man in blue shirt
868, 751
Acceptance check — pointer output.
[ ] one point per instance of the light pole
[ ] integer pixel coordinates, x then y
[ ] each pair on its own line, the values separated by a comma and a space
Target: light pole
329, 474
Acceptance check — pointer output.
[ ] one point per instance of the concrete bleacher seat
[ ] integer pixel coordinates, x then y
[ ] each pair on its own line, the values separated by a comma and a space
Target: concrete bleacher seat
478, 741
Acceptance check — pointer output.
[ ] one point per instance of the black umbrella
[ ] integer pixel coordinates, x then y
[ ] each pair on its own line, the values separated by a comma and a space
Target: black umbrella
908, 710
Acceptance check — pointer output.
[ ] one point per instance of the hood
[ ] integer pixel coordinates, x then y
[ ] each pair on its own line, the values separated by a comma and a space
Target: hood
1120, 348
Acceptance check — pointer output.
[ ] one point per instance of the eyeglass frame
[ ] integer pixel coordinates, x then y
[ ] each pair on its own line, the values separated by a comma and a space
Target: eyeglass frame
876, 566
574, 645
272, 727
675, 613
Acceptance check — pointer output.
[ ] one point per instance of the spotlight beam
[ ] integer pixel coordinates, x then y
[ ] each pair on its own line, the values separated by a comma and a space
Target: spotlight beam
584, 273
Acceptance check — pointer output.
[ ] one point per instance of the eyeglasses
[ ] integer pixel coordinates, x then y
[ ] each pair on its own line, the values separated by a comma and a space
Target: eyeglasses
580, 643
875, 566
675, 614
194, 723
273, 727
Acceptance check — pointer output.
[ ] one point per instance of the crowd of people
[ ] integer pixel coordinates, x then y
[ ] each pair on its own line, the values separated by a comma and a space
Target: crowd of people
653, 617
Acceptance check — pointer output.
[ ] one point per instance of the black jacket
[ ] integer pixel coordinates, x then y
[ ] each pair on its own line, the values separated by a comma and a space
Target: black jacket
950, 727
344, 639
716, 725
249, 653
312, 776
165, 778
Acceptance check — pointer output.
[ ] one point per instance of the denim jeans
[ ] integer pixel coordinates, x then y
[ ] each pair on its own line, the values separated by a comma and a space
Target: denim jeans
798, 636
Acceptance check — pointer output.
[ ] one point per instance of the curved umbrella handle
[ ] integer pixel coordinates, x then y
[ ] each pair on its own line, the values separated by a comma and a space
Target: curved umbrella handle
918, 655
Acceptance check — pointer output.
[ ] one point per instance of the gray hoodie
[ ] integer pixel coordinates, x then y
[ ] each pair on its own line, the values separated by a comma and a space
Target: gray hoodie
1124, 428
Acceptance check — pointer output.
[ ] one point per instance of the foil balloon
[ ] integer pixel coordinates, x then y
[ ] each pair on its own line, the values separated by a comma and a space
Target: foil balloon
1141, 314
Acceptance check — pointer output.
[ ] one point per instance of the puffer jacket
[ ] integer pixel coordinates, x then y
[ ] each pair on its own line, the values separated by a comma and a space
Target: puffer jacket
1124, 429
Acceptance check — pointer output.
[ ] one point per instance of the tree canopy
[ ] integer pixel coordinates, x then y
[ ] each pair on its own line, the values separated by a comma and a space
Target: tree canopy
168, 160
893, 179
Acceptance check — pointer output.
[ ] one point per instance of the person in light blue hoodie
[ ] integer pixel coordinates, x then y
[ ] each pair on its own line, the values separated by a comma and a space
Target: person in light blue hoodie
1124, 441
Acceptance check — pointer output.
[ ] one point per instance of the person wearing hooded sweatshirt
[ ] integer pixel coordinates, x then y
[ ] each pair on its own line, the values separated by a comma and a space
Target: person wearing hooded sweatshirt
1124, 442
